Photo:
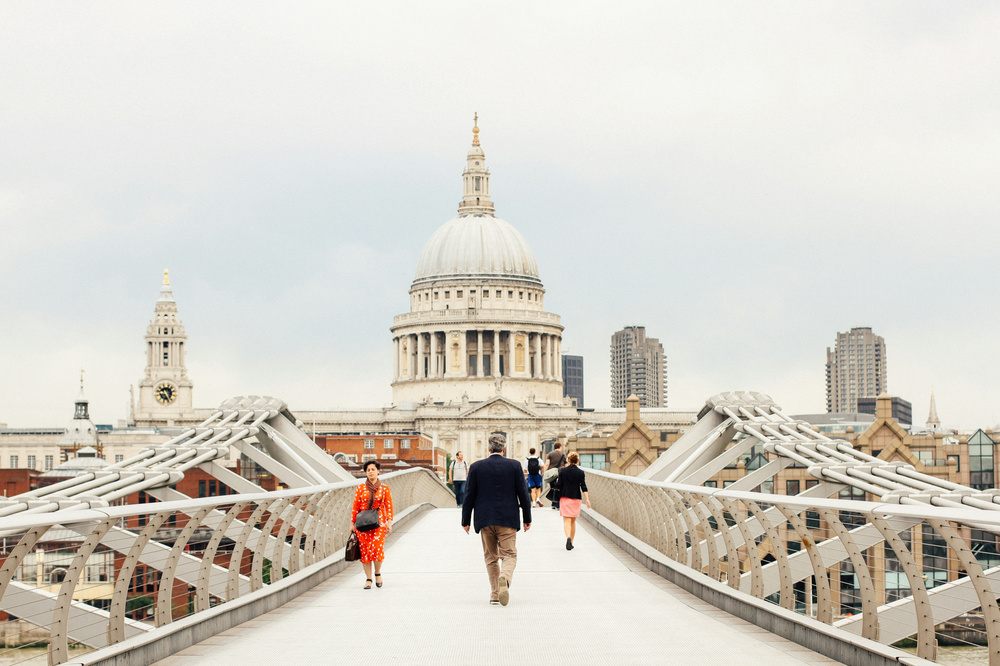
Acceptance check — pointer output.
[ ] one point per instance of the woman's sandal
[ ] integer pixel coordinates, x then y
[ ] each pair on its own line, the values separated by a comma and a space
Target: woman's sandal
368, 584
378, 583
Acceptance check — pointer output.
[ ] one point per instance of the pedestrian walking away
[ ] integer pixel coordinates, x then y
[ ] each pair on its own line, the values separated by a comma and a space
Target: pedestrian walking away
494, 491
457, 474
533, 467
572, 489
553, 462
372, 494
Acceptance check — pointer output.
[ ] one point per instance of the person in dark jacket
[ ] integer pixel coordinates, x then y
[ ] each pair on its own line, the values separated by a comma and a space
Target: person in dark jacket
572, 489
494, 491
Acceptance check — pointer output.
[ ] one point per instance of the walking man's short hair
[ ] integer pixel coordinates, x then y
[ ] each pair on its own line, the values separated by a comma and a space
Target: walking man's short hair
497, 443
556, 445
531, 451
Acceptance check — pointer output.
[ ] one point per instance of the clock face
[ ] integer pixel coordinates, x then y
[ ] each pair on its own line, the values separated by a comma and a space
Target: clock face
165, 393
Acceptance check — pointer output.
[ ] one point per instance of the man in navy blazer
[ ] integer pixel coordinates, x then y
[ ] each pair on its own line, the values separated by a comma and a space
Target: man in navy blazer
494, 490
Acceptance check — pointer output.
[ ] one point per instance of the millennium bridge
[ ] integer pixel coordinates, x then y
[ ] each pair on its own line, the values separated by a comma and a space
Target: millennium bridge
666, 569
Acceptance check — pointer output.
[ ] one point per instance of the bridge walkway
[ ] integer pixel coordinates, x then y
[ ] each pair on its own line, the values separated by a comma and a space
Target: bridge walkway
594, 604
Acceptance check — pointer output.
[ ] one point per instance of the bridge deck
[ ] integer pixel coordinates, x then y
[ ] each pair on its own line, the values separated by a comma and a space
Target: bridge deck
593, 604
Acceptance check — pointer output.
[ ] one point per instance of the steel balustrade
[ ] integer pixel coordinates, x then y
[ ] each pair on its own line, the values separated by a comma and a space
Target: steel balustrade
310, 524
797, 552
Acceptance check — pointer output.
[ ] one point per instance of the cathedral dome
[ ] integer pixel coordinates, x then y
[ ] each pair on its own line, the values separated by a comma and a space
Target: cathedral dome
476, 245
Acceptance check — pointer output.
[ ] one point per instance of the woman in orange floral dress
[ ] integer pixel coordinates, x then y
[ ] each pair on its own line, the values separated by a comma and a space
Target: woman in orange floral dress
373, 494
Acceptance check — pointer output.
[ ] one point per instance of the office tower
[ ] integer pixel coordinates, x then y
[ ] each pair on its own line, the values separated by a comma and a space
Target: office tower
638, 366
855, 368
902, 410
572, 373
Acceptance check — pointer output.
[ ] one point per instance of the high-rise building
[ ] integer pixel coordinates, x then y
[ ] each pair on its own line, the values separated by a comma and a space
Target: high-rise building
855, 368
638, 366
572, 373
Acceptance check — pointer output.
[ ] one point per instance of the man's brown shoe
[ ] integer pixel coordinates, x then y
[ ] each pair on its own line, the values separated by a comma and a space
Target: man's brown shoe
504, 591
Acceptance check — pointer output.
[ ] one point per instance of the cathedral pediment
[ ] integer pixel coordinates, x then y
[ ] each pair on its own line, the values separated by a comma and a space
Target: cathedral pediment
498, 407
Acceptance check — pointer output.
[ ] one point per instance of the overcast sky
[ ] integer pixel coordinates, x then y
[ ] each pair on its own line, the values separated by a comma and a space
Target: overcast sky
743, 180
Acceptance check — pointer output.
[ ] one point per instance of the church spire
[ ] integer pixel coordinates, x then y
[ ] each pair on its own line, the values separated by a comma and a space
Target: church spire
81, 411
933, 422
475, 179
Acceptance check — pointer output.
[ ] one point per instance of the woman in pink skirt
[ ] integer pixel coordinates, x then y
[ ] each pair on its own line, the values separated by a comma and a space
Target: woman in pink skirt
572, 489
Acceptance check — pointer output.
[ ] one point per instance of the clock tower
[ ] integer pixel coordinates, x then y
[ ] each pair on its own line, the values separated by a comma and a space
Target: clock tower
165, 390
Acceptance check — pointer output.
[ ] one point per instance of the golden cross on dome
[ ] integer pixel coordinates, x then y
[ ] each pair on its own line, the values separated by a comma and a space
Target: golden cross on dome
81, 379
475, 129
166, 276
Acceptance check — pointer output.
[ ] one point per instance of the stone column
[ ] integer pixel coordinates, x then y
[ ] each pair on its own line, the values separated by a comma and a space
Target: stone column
549, 370
554, 374
479, 354
463, 347
496, 353
434, 365
420, 356
412, 359
512, 340
395, 358
559, 375
401, 359
537, 344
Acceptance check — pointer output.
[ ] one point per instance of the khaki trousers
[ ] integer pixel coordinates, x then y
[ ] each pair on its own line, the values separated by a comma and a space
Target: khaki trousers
499, 544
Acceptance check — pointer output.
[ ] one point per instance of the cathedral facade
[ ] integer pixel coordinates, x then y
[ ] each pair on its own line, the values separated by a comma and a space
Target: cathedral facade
476, 354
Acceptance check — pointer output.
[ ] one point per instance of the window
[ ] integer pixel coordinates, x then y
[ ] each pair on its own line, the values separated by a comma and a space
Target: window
202, 488
951, 459
594, 461
520, 295
369, 443
387, 443
119, 457
458, 294
980, 461
48, 463
510, 293
31, 462
498, 293
435, 295
447, 294
368, 456
404, 443
792, 487
711, 484
388, 456
13, 462
486, 293
925, 457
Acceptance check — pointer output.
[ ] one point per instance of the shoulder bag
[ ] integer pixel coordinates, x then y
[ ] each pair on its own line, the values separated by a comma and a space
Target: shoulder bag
367, 520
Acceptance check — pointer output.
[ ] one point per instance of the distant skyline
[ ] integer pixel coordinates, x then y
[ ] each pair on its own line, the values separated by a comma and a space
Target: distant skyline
743, 181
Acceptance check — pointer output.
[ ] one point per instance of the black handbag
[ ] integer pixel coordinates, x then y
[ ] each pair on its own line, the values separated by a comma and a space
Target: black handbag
352, 552
367, 520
